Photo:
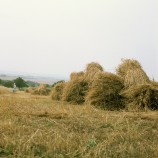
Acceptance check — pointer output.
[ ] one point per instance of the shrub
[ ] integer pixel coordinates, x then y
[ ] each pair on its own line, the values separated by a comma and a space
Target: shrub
61, 81
7, 83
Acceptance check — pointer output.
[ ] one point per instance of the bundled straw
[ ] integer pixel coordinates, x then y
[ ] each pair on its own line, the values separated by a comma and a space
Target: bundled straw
126, 65
41, 90
58, 91
76, 75
92, 70
141, 97
104, 92
74, 91
30, 89
135, 77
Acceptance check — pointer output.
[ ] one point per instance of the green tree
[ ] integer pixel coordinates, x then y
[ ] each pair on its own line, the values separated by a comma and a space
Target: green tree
61, 81
1, 81
20, 82
7, 83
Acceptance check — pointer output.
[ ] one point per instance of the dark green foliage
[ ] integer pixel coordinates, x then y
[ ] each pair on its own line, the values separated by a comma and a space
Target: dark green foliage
7, 83
1, 81
5, 152
20, 82
61, 81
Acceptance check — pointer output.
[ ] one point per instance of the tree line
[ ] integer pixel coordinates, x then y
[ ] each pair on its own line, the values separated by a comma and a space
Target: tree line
20, 83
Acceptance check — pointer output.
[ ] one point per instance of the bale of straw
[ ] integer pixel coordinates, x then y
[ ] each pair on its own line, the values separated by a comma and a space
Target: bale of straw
58, 91
75, 91
126, 65
135, 77
76, 75
141, 97
30, 89
91, 71
41, 90
104, 92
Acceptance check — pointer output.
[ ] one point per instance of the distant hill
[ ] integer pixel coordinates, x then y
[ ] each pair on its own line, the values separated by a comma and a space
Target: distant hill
31, 79
32, 84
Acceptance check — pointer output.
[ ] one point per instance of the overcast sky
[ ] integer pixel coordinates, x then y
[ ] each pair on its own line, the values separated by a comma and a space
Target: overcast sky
62, 36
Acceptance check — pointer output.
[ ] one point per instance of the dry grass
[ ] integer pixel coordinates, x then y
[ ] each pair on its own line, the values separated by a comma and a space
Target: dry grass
4, 90
35, 126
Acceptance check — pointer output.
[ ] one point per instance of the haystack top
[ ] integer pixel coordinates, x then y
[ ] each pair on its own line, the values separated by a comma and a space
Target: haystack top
126, 65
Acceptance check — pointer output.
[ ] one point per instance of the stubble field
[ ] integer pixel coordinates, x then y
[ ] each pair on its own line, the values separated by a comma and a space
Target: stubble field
35, 126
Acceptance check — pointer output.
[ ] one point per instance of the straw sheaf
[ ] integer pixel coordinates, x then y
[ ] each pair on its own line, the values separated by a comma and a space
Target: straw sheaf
104, 91
92, 70
126, 65
75, 91
141, 97
155, 84
41, 90
30, 89
77, 75
135, 77
58, 91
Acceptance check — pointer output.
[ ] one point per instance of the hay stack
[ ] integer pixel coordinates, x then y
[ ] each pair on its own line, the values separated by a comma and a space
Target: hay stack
92, 70
135, 77
141, 97
76, 75
41, 90
126, 65
30, 89
74, 91
58, 91
104, 91
154, 83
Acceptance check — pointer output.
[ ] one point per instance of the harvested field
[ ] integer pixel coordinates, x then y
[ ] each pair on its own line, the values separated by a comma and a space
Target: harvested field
36, 126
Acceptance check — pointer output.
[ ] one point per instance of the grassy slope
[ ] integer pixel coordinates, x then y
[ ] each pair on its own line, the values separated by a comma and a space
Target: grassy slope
32, 126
